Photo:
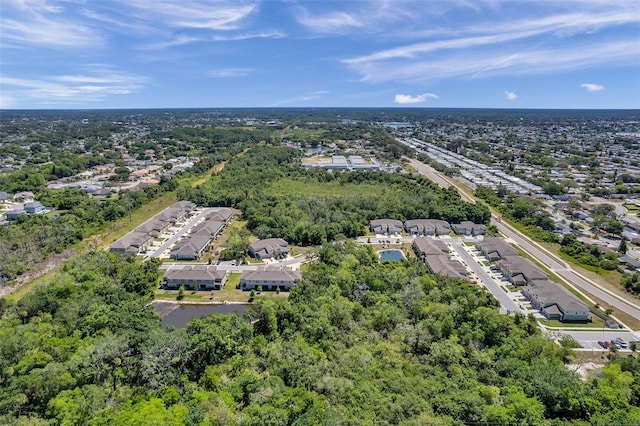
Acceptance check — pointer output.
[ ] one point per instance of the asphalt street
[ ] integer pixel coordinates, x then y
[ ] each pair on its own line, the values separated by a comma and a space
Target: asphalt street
559, 267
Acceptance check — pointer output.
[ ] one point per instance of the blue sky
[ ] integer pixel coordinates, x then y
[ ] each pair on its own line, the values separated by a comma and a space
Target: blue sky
188, 53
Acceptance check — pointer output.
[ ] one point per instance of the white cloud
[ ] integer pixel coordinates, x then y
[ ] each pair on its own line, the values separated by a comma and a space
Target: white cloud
334, 22
80, 88
318, 94
408, 99
491, 47
591, 87
511, 60
36, 23
512, 96
220, 15
230, 72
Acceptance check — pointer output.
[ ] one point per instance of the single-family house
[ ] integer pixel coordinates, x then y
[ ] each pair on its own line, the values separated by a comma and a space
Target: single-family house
270, 247
24, 196
270, 278
13, 214
195, 277
34, 207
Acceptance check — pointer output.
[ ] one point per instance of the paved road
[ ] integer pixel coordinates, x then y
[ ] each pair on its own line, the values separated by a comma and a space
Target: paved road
180, 233
564, 270
508, 305
589, 339
559, 267
429, 172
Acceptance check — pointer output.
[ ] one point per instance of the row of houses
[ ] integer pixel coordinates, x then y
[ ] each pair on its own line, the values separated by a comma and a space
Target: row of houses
206, 277
422, 227
436, 255
142, 237
193, 245
551, 299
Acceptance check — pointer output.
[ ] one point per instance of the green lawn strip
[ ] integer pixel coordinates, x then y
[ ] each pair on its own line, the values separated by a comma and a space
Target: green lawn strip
596, 323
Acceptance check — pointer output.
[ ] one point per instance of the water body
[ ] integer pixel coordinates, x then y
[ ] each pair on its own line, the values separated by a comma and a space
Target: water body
183, 313
395, 255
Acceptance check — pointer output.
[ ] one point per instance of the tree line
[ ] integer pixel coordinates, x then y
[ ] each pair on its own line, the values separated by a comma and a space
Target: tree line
358, 342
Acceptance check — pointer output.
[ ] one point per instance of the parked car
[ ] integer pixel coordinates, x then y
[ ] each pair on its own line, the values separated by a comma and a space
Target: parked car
601, 343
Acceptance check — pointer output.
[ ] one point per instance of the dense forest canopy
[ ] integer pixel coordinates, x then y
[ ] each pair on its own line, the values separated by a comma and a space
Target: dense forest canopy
357, 342
308, 207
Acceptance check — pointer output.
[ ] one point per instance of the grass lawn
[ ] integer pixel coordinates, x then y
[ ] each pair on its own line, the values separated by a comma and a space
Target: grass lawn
304, 187
596, 322
632, 208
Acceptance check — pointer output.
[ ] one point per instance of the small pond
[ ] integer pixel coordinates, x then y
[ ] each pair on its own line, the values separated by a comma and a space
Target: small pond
180, 315
395, 255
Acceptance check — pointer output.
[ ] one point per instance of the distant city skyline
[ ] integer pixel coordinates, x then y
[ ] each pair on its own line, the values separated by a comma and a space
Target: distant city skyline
91, 54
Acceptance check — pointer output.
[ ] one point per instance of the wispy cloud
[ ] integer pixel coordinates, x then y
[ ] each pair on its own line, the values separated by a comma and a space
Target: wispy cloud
318, 94
511, 96
249, 35
33, 23
591, 87
219, 16
499, 62
515, 45
333, 22
79, 88
409, 99
230, 72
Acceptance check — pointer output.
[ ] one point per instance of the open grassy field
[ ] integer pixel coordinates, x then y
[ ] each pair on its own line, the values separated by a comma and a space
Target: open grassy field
300, 134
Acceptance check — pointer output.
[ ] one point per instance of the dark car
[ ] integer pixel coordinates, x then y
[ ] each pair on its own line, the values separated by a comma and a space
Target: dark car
604, 345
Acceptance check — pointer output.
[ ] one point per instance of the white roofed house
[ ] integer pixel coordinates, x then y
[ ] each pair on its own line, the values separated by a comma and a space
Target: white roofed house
270, 278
